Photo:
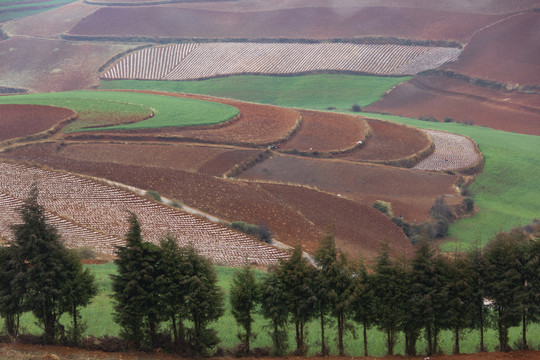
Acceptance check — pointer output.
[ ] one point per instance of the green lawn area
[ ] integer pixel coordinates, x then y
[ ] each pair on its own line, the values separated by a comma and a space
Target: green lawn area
98, 318
99, 108
506, 191
311, 91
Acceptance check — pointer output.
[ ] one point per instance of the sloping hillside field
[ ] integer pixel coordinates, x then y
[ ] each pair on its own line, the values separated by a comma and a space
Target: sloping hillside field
198, 61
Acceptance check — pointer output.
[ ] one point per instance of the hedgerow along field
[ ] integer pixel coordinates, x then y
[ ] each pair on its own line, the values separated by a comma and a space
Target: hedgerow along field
129, 111
506, 192
98, 318
316, 92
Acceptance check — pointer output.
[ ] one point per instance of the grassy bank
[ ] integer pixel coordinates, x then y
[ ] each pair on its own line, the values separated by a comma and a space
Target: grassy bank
98, 318
311, 91
102, 108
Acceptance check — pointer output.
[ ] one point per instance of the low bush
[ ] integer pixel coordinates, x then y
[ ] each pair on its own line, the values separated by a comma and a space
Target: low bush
261, 231
85, 253
356, 108
468, 202
154, 195
384, 207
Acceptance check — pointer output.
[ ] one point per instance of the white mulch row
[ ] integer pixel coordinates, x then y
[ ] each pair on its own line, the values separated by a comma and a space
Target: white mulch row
194, 61
452, 152
92, 214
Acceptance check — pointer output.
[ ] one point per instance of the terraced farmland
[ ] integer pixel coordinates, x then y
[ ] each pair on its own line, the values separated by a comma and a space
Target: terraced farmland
452, 152
197, 61
84, 209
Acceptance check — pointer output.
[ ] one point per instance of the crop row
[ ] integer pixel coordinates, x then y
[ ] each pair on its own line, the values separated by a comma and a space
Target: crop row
219, 59
452, 152
100, 213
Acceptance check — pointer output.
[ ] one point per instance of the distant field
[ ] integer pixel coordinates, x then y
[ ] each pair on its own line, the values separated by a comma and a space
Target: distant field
12, 9
127, 111
317, 92
506, 191
99, 321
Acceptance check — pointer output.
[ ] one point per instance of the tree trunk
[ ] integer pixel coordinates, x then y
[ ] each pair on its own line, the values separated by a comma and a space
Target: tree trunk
323, 344
175, 330
482, 347
429, 338
248, 336
390, 342
525, 345
456, 341
341, 348
365, 340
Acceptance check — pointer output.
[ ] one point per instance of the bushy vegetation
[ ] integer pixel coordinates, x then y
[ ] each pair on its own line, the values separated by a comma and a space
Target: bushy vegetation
260, 231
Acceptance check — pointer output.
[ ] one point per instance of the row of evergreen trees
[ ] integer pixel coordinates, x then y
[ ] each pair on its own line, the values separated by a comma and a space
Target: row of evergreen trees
166, 295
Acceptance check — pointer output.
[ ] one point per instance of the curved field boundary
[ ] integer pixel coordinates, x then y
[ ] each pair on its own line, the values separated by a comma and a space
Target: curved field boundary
452, 152
209, 60
103, 208
257, 126
66, 116
327, 133
394, 145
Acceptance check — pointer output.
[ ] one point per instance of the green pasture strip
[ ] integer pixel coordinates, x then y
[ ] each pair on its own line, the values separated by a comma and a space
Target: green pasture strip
96, 107
14, 5
317, 92
10, 11
98, 317
507, 190
10, 15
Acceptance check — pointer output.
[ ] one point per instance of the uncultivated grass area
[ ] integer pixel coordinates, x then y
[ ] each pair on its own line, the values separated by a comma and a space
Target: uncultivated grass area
506, 191
101, 108
318, 92
98, 318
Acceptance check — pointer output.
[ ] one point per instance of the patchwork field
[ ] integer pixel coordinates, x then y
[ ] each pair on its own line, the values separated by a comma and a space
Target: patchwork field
200, 61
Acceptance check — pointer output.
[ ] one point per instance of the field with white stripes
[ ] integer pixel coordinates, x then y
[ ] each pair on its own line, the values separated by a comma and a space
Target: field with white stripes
207, 60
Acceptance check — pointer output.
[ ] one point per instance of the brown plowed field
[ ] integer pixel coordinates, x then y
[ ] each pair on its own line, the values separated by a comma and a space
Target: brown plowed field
507, 52
412, 193
257, 125
177, 21
188, 157
364, 240
390, 141
327, 132
46, 65
441, 98
22, 120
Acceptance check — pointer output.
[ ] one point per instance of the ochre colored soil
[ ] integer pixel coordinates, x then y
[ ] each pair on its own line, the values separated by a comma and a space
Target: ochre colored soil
507, 52
22, 120
389, 141
441, 98
307, 22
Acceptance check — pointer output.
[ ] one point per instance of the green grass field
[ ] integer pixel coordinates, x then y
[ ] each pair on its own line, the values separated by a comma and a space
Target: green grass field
311, 91
98, 318
99, 108
506, 192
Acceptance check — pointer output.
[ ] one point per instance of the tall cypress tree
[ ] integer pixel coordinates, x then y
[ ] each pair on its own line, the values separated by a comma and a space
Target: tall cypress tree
39, 263
477, 278
364, 302
274, 307
244, 297
11, 300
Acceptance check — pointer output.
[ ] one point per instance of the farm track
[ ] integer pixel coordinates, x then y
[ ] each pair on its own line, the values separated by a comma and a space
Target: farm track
102, 208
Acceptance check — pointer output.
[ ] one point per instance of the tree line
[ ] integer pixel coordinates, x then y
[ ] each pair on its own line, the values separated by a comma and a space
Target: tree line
166, 296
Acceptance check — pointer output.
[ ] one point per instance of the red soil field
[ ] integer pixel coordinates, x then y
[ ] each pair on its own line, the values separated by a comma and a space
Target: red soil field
46, 65
206, 159
257, 125
177, 21
390, 141
442, 97
22, 120
327, 132
364, 240
412, 193
507, 52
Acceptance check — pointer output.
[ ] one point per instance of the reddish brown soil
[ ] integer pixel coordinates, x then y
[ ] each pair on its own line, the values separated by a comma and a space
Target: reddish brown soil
207, 159
390, 141
412, 193
46, 65
177, 21
327, 132
256, 125
441, 98
506, 52
361, 241
22, 120
25, 352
